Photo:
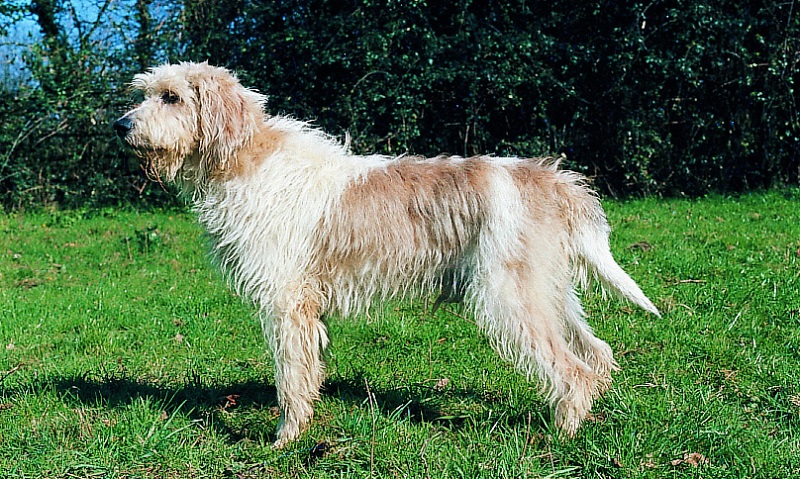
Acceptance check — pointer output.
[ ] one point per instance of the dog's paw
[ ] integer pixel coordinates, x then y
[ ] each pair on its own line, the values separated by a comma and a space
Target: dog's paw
280, 444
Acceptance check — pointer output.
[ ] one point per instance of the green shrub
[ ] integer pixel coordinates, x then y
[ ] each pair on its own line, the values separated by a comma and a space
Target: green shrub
672, 97
667, 97
56, 142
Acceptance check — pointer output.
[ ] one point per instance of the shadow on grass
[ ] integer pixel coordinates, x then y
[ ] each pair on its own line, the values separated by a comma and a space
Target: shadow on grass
215, 404
429, 404
210, 403
113, 392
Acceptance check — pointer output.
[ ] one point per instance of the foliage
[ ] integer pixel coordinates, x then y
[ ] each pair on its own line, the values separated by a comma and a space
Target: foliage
56, 146
667, 96
693, 95
9, 14
125, 355
664, 97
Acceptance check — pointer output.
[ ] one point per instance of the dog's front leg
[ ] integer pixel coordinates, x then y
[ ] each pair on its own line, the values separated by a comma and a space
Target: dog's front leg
298, 338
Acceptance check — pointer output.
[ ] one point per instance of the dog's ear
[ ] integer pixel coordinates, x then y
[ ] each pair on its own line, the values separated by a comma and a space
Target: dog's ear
228, 117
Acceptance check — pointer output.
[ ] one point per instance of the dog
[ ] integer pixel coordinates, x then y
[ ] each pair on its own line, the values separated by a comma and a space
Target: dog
302, 227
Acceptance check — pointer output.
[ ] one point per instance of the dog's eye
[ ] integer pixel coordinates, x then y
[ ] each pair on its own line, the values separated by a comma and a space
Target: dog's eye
170, 98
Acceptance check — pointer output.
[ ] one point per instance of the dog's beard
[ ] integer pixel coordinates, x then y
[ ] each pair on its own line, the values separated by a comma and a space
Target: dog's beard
160, 165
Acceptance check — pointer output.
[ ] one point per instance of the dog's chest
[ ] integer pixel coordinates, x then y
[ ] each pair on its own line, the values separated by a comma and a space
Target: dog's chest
261, 240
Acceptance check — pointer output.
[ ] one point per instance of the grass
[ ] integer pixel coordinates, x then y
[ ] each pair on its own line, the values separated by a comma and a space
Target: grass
123, 355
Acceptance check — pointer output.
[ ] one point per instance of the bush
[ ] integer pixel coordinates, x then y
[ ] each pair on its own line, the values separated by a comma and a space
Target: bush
56, 142
666, 97
673, 97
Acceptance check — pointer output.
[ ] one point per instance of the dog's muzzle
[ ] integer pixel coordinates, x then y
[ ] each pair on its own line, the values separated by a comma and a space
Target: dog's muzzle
123, 126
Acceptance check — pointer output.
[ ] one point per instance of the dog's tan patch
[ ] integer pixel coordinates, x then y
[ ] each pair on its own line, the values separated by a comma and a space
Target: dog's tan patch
394, 214
265, 142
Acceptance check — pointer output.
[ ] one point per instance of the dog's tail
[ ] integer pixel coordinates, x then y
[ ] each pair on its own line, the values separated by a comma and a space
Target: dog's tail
592, 255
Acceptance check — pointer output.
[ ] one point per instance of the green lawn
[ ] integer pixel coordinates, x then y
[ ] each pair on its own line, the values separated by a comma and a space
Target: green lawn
123, 354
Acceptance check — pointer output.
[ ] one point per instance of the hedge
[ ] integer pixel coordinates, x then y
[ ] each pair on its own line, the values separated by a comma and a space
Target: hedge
662, 97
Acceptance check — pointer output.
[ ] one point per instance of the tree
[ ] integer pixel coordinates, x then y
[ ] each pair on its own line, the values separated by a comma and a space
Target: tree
657, 97
56, 146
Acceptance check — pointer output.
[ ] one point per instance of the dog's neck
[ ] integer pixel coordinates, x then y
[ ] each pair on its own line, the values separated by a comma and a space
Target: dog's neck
201, 171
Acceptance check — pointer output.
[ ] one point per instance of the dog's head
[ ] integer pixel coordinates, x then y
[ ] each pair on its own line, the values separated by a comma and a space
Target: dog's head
192, 121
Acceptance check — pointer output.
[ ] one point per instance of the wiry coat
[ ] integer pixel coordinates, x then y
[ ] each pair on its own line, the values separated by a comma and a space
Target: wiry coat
302, 227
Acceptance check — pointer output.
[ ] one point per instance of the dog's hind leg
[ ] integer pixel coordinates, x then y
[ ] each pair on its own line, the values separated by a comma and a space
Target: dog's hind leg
521, 312
298, 337
591, 349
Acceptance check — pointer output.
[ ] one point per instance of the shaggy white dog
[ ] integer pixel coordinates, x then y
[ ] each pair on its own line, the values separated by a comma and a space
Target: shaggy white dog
303, 227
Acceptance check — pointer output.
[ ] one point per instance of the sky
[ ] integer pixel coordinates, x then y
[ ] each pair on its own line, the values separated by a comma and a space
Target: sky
12, 45
25, 32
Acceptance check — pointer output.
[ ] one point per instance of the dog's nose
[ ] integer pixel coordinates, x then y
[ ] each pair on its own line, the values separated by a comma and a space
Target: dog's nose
123, 126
